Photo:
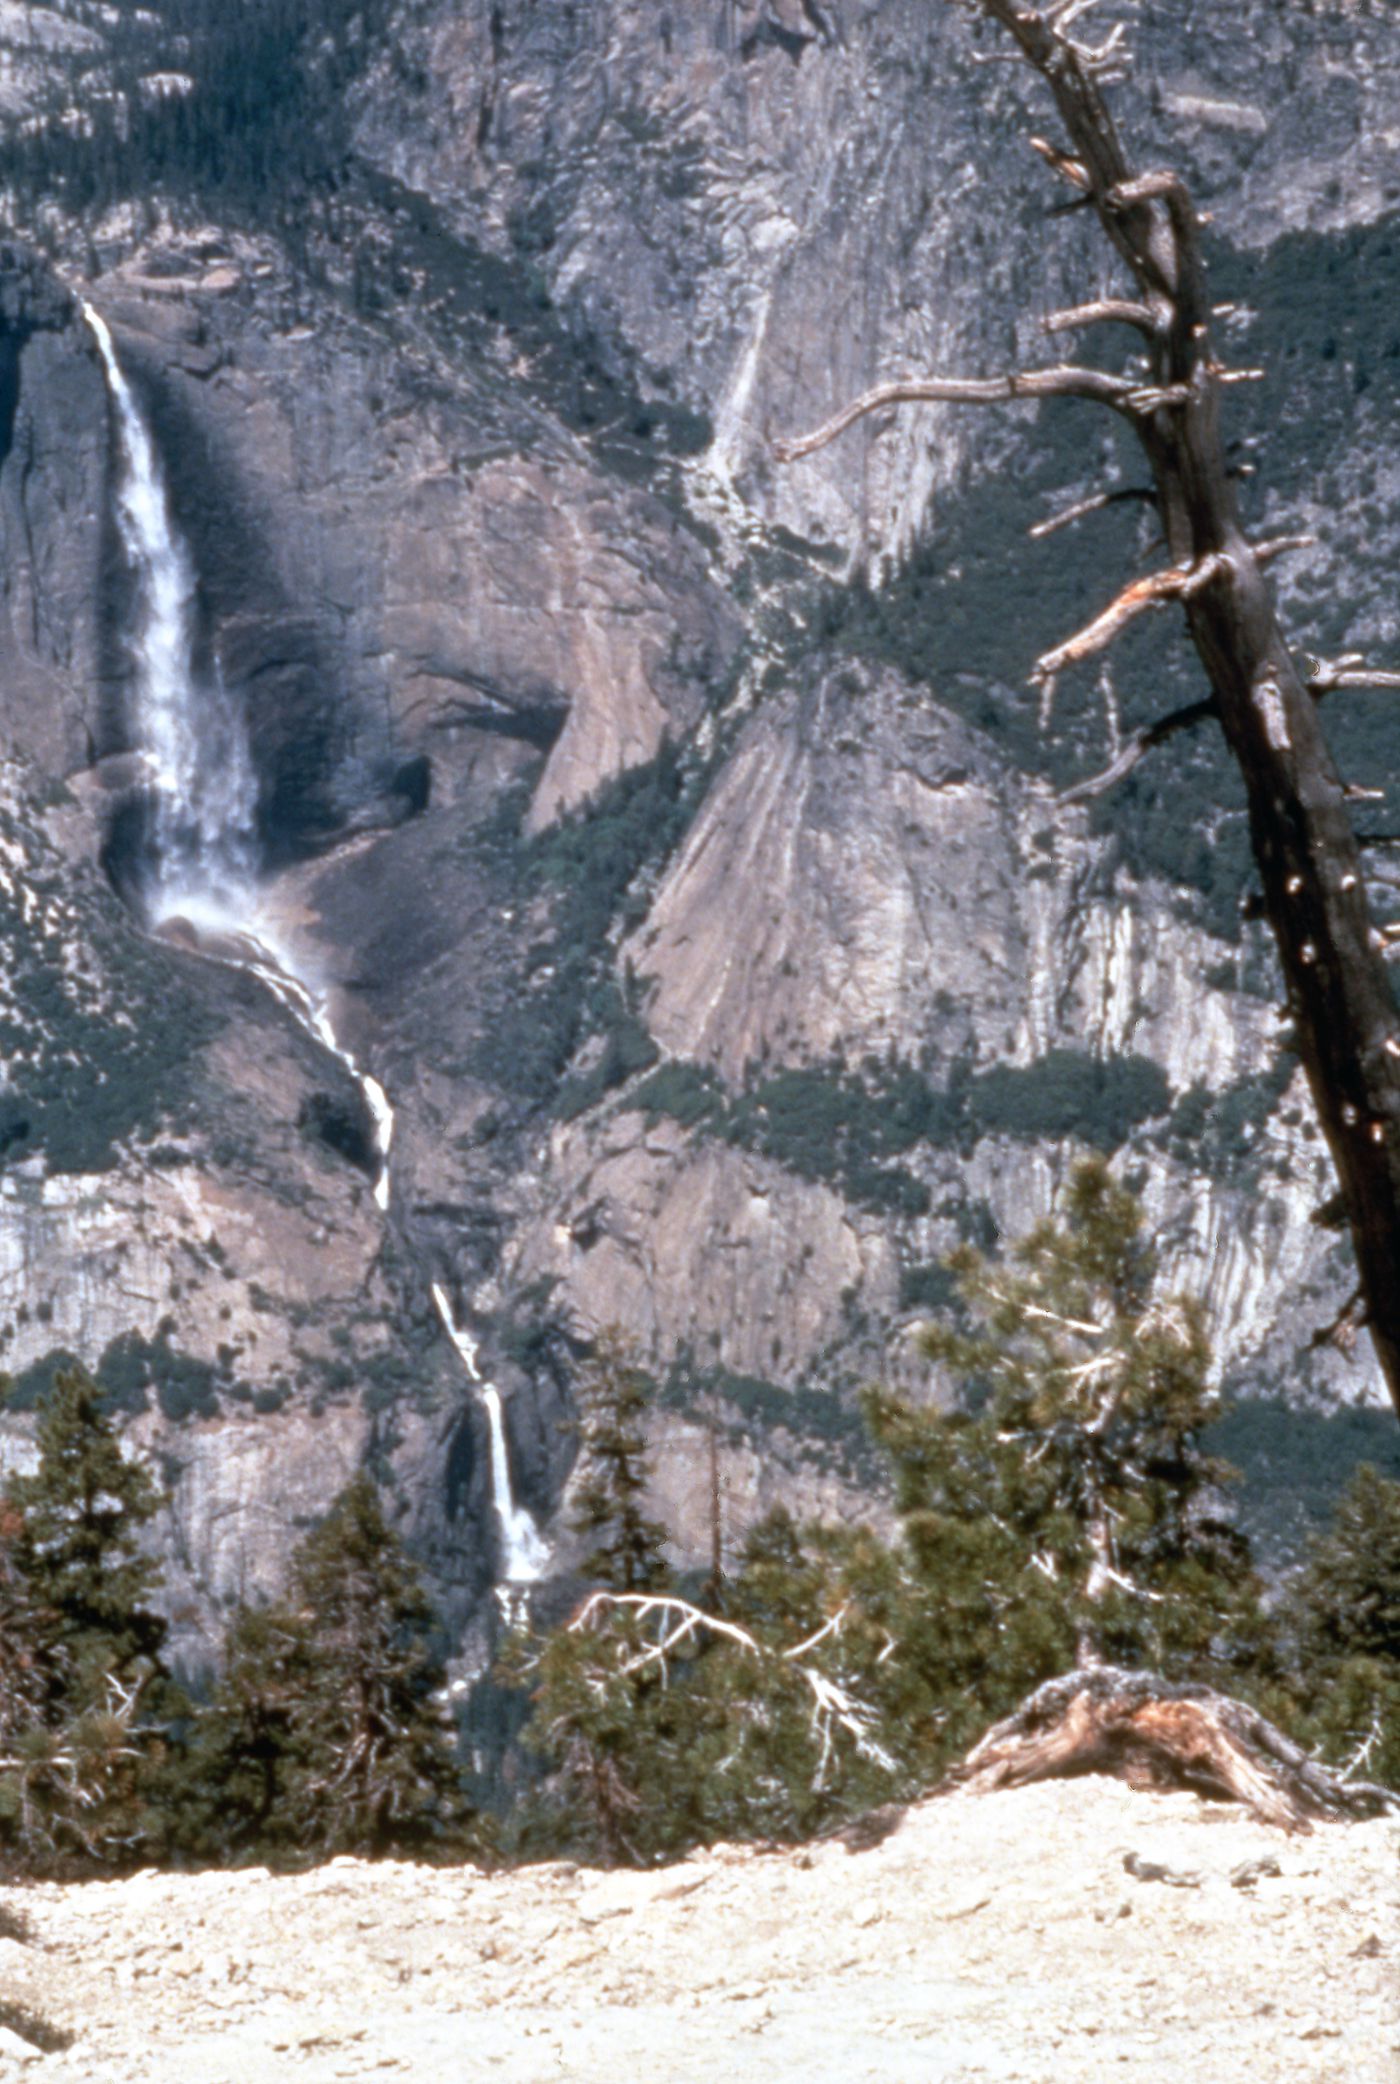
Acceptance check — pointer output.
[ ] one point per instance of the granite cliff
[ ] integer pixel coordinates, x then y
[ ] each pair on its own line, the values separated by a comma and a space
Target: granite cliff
673, 837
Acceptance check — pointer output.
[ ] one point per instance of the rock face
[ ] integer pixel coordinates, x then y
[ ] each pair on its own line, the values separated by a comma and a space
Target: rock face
674, 836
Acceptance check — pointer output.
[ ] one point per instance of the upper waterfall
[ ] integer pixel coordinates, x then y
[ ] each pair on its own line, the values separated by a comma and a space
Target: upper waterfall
203, 786
194, 736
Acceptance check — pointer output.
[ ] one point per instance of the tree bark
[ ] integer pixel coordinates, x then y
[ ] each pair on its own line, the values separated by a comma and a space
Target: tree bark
1140, 1728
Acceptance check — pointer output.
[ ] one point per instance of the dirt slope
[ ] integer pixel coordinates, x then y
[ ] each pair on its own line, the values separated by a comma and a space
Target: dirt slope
994, 1938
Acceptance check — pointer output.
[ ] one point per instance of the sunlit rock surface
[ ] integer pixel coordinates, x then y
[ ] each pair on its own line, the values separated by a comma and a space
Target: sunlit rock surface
673, 837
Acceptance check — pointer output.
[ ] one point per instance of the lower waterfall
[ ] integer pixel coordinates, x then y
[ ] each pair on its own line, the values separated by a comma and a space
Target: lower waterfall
524, 1554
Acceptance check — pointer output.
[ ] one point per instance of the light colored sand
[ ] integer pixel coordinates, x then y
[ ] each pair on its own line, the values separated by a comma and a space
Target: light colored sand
997, 1938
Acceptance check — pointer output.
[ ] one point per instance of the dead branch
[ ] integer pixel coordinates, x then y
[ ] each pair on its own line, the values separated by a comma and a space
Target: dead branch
1121, 495
1141, 1728
1139, 745
1066, 381
1139, 598
1282, 546
1071, 170
1105, 311
1345, 1327
1325, 676
679, 1622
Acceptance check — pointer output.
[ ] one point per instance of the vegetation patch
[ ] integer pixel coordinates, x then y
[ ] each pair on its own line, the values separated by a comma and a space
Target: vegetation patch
131, 1370
1295, 1464
1219, 1133
748, 1408
585, 875
850, 1130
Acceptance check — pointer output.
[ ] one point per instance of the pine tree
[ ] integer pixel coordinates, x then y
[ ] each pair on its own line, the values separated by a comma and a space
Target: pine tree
83, 1774
249, 1742
1344, 1608
614, 1395
610, 1734
327, 1733
1064, 1510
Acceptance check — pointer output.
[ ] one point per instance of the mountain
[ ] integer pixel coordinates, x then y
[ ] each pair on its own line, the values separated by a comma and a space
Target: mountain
672, 837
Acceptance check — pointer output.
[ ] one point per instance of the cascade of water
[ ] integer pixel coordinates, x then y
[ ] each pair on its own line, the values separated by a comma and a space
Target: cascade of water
195, 737
524, 1553
262, 954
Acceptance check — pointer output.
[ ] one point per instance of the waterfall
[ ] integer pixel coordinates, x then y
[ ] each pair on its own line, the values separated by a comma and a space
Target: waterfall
194, 736
523, 1552
195, 740
267, 959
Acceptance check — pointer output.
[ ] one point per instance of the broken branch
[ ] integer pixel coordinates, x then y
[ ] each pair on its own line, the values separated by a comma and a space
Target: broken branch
1071, 170
1139, 745
1351, 670
1345, 1327
1062, 382
1119, 496
1142, 596
1105, 311
1280, 546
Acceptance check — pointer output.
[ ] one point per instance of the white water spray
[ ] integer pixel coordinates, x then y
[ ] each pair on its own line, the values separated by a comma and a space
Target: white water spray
523, 1552
194, 737
195, 740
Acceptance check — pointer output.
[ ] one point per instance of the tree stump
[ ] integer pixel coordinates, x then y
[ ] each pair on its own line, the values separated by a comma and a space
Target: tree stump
1143, 1729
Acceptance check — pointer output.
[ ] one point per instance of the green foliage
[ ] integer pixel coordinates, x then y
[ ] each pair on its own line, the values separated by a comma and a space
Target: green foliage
583, 872
85, 1701
325, 1734
89, 1065
131, 1367
851, 1128
1217, 1133
667, 1726
1296, 1463
82, 1511
813, 1413
1098, 1100
264, 119
686, 1093
1345, 1608
1067, 1509
614, 1395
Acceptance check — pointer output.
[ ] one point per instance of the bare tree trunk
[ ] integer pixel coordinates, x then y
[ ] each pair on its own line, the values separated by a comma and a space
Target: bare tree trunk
1141, 1729
1346, 1021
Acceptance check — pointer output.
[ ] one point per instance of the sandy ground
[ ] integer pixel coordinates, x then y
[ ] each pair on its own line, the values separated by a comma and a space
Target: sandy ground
999, 1937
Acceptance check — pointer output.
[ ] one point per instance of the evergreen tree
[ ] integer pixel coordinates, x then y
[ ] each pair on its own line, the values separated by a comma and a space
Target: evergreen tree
665, 1725
249, 1741
1064, 1511
326, 1733
626, 1546
1344, 1608
82, 1511
611, 1723
83, 1773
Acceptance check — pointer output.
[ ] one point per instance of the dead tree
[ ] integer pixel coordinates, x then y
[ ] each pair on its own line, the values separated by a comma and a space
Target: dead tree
1266, 701
1141, 1729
